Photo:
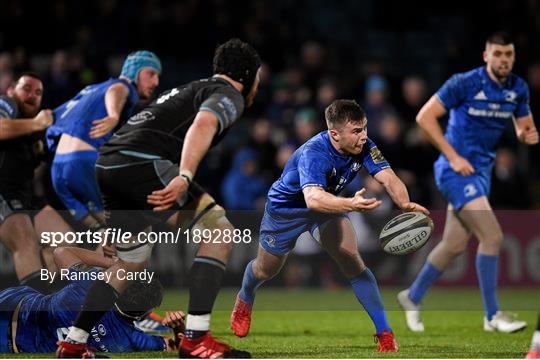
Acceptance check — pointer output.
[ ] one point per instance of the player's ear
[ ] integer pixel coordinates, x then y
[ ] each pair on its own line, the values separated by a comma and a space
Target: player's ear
485, 55
10, 91
334, 133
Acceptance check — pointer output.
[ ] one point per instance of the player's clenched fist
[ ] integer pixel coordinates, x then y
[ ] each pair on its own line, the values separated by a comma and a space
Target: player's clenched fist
44, 119
529, 136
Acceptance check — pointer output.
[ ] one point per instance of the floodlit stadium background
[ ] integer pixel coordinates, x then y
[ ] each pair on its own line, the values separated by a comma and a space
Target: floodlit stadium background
390, 56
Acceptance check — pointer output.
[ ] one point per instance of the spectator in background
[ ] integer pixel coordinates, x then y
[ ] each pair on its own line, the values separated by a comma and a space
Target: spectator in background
419, 162
326, 93
62, 83
20, 60
243, 188
305, 125
284, 152
281, 108
389, 136
376, 102
261, 143
313, 58
6, 72
509, 186
414, 95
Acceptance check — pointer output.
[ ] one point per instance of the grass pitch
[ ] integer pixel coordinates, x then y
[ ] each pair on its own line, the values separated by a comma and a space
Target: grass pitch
331, 324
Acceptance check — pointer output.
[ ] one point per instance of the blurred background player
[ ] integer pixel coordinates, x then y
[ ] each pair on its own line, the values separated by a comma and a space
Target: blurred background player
20, 148
481, 103
86, 122
23, 328
137, 170
304, 200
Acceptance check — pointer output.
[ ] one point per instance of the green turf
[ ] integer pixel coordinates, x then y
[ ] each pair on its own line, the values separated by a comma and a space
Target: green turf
330, 324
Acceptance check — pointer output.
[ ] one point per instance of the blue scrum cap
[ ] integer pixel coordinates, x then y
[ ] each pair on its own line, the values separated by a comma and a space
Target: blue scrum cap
138, 60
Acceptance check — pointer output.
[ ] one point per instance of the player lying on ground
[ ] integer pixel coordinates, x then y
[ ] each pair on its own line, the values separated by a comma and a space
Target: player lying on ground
481, 103
148, 167
33, 323
304, 200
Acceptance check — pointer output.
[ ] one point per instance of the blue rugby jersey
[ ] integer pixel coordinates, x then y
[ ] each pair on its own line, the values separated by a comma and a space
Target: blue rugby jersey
479, 110
75, 116
318, 163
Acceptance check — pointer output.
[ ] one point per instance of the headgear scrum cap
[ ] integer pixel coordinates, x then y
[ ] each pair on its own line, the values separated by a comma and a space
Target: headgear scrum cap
138, 60
239, 61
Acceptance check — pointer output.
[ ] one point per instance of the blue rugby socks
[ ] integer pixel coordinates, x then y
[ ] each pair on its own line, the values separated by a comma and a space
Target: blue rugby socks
249, 284
367, 292
425, 278
487, 271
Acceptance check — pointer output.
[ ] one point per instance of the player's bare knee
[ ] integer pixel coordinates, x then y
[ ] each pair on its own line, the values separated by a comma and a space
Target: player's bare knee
494, 239
351, 265
456, 248
18, 235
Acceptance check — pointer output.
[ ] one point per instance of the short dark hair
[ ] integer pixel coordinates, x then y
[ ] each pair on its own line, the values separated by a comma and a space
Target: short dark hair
341, 111
499, 38
26, 73
239, 61
139, 298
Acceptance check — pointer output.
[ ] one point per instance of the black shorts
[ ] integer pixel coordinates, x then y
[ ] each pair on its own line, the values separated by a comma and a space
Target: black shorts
125, 182
15, 199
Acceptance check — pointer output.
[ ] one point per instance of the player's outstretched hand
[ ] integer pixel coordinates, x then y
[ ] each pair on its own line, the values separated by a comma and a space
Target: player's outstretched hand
462, 166
529, 136
165, 198
109, 251
176, 321
412, 206
361, 204
102, 127
43, 119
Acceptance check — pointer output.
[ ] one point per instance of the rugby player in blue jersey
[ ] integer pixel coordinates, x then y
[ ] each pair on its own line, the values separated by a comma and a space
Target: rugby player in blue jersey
481, 103
86, 122
31, 322
304, 200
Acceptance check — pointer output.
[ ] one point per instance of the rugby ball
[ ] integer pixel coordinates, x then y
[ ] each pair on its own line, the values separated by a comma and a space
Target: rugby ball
406, 233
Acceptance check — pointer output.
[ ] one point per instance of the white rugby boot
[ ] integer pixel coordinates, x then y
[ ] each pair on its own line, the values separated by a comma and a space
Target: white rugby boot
504, 322
412, 311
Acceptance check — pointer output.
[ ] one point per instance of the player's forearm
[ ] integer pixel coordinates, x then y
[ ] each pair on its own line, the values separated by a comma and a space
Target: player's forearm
435, 134
396, 189
196, 144
67, 256
13, 128
323, 201
115, 99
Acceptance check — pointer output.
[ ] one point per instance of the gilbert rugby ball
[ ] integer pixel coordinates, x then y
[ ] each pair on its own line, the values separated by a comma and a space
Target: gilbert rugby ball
406, 233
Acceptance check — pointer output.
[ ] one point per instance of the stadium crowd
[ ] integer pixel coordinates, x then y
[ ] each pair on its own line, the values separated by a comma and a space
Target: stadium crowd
390, 62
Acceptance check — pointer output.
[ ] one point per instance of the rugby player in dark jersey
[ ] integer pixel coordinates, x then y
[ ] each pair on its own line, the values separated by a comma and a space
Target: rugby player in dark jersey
21, 121
147, 167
